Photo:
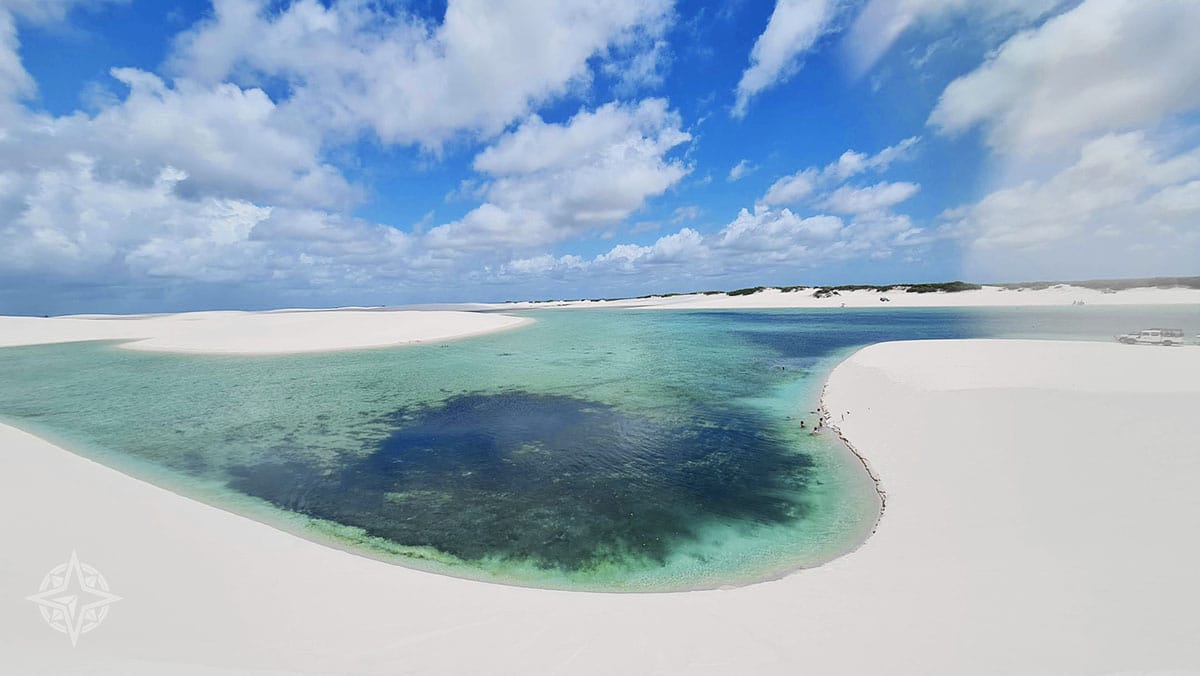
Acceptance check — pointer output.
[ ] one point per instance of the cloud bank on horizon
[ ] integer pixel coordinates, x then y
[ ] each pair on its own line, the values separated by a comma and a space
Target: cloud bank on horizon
245, 153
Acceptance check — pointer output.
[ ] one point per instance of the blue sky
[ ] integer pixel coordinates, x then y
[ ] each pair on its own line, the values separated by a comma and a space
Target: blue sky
241, 153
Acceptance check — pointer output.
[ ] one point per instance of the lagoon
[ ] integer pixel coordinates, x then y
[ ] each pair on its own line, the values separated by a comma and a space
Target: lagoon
600, 450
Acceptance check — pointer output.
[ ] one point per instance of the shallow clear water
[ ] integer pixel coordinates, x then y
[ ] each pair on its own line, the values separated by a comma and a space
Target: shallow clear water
605, 449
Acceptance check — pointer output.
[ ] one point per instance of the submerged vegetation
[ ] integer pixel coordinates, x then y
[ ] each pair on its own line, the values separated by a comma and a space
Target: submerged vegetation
557, 481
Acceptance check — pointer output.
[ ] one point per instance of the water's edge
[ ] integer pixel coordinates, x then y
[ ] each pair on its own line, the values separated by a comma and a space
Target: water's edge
826, 417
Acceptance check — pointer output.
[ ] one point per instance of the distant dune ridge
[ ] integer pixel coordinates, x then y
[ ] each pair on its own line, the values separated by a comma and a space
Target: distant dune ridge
1150, 291
944, 287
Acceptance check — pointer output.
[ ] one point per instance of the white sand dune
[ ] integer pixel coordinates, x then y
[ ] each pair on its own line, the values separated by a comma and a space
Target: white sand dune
1041, 519
275, 332
988, 296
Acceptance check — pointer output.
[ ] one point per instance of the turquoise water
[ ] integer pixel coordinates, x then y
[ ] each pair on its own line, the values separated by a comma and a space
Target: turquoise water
594, 449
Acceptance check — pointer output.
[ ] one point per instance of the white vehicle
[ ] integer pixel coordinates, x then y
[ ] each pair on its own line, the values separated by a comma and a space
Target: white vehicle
1153, 337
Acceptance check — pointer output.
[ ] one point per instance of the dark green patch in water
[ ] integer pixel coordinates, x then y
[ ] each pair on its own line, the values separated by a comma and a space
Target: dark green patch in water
556, 481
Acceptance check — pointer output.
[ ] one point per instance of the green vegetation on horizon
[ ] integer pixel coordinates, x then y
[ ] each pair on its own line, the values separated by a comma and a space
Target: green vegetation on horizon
925, 287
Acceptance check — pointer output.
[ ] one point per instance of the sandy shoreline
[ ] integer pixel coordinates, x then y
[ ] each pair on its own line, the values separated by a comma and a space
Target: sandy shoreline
1027, 531
257, 333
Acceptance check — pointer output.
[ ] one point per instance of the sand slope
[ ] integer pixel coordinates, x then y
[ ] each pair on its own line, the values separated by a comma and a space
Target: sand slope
276, 332
1041, 519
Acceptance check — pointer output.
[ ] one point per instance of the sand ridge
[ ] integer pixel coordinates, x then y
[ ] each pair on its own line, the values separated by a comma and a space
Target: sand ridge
257, 333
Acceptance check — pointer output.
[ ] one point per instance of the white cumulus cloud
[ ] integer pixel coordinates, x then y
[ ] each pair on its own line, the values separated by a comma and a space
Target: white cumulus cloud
1103, 66
1125, 204
792, 30
739, 170
770, 238
553, 181
882, 22
358, 65
868, 199
800, 186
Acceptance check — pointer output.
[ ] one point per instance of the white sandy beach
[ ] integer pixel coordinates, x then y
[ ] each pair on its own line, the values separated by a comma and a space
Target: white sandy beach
1041, 509
988, 296
274, 332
